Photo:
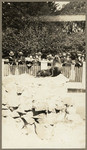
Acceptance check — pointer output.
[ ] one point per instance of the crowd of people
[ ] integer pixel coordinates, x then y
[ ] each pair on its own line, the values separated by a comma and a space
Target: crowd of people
66, 59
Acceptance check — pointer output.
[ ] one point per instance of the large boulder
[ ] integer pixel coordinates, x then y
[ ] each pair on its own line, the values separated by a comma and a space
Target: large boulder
13, 100
26, 103
28, 129
44, 131
29, 117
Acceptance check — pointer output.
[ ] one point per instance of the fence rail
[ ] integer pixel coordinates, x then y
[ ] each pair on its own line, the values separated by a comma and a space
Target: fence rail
20, 69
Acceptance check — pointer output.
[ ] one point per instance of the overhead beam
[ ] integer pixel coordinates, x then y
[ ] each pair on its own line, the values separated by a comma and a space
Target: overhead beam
64, 18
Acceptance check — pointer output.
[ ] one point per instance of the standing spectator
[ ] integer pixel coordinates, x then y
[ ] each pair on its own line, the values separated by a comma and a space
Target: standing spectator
20, 58
83, 58
39, 56
29, 61
79, 62
68, 60
11, 58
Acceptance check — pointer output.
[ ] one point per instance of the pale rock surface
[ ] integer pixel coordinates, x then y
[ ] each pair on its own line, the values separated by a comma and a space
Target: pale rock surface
6, 113
29, 117
44, 131
14, 114
13, 100
26, 103
19, 123
22, 93
41, 118
81, 111
28, 129
75, 118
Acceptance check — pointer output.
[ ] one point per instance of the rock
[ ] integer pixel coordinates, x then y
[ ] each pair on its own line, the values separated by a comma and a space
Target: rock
4, 100
19, 123
14, 114
51, 105
21, 114
15, 108
4, 120
11, 88
13, 100
26, 103
59, 105
21, 109
29, 118
75, 118
51, 118
4, 95
44, 131
60, 116
28, 129
6, 113
71, 110
40, 105
20, 89
12, 108
4, 107
41, 118
25, 93
9, 122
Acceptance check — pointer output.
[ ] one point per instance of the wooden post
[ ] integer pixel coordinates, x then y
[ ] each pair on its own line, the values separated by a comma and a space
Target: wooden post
44, 64
2, 68
9, 71
72, 76
16, 70
84, 75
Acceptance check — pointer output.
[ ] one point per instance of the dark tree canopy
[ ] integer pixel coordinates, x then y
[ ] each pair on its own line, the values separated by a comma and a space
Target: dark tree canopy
16, 13
22, 34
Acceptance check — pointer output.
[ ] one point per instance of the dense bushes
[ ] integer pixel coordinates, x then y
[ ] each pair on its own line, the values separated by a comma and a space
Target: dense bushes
20, 33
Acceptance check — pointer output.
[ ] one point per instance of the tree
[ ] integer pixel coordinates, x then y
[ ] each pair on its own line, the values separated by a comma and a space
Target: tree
20, 33
73, 8
14, 14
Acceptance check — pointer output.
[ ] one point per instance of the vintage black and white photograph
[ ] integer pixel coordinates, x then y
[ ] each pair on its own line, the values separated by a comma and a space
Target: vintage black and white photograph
44, 74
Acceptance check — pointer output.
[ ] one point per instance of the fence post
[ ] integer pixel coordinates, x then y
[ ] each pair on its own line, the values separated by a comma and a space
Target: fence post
16, 70
44, 64
84, 75
72, 76
9, 71
25, 68
2, 68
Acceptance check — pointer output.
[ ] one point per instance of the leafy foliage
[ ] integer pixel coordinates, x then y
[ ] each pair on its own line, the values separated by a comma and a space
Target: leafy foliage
22, 34
15, 14
74, 7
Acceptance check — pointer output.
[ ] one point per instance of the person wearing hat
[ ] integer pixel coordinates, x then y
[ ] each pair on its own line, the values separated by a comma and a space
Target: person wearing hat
20, 58
79, 62
68, 60
83, 58
11, 58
